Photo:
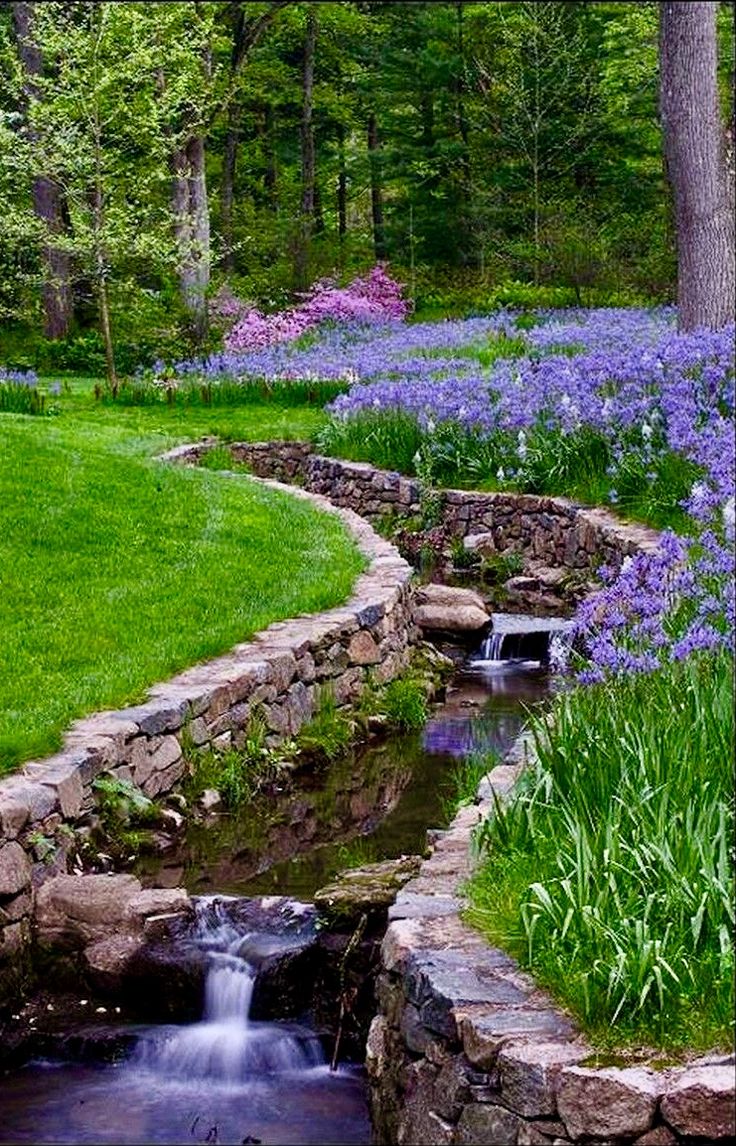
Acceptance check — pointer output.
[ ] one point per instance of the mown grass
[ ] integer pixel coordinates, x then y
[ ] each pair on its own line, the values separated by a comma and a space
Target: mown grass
118, 570
610, 873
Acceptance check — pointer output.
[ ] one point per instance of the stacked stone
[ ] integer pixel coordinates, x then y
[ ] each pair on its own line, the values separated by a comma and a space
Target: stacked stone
467, 1050
552, 531
280, 673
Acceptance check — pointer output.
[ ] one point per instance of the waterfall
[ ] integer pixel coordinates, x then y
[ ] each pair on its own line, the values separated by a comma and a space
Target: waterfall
227, 1045
516, 637
491, 648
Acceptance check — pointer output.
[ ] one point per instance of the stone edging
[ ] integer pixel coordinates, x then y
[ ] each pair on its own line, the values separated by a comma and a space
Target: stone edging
280, 670
466, 1049
553, 531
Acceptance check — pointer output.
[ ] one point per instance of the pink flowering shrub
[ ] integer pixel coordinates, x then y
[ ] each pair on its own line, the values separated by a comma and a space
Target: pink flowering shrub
374, 297
225, 308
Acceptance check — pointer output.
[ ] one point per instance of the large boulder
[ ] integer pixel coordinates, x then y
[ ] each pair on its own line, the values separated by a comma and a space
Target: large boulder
447, 609
73, 911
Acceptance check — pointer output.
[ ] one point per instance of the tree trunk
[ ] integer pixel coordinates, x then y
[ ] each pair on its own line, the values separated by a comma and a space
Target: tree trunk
465, 174
694, 141
192, 231
98, 223
379, 235
306, 219
230, 155
342, 187
48, 199
227, 189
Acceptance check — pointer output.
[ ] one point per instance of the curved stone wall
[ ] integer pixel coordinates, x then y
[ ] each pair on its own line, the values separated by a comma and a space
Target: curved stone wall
551, 530
280, 671
467, 1050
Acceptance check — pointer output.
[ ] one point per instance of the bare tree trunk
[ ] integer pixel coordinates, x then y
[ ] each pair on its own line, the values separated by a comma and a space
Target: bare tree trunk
230, 155
306, 216
227, 189
98, 223
48, 200
695, 148
379, 235
192, 230
465, 181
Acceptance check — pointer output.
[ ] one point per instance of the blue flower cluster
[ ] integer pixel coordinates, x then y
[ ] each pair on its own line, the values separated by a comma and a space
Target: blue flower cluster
625, 374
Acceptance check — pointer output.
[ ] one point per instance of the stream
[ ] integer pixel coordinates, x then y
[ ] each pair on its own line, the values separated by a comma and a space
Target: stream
229, 1078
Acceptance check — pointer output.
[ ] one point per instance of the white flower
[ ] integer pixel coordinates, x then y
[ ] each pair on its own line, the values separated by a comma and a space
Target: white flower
521, 448
729, 515
699, 496
646, 431
500, 473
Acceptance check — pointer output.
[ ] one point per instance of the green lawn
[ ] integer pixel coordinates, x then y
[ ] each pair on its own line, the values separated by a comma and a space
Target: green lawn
117, 571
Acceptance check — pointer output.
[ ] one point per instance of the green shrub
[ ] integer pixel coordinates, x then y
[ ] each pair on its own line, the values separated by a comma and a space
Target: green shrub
121, 803
390, 439
19, 398
165, 389
404, 702
495, 568
238, 773
331, 730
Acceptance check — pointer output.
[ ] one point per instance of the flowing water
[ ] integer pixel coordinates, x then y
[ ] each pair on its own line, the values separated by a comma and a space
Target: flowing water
228, 1078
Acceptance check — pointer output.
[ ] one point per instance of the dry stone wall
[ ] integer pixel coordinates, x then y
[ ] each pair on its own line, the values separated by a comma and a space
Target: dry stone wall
281, 672
551, 531
466, 1049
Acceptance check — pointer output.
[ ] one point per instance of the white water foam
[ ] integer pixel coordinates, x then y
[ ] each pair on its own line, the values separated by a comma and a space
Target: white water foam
227, 1045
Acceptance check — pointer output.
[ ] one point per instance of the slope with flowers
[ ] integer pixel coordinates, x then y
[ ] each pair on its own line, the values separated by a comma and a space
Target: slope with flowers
610, 874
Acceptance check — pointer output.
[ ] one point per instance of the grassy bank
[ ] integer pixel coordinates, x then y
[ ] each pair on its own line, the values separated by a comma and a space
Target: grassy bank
117, 570
610, 873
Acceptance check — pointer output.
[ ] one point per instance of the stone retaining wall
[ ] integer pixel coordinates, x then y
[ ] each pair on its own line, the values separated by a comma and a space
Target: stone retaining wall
281, 672
552, 531
466, 1049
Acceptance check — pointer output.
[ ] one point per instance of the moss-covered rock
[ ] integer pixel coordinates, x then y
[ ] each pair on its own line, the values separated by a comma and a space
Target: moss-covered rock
369, 890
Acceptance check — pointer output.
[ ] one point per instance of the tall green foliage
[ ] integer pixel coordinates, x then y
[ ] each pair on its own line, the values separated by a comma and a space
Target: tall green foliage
507, 141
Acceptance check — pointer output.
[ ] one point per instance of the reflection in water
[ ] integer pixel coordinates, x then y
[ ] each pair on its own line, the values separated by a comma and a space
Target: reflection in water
130, 1104
376, 803
227, 1079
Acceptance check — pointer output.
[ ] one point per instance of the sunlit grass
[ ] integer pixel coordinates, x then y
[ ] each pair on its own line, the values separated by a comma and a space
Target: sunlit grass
118, 570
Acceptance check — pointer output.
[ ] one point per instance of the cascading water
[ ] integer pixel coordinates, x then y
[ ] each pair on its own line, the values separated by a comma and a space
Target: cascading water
491, 648
227, 1045
544, 640
230, 1078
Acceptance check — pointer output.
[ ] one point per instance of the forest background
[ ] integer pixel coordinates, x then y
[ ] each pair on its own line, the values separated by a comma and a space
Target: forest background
154, 157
